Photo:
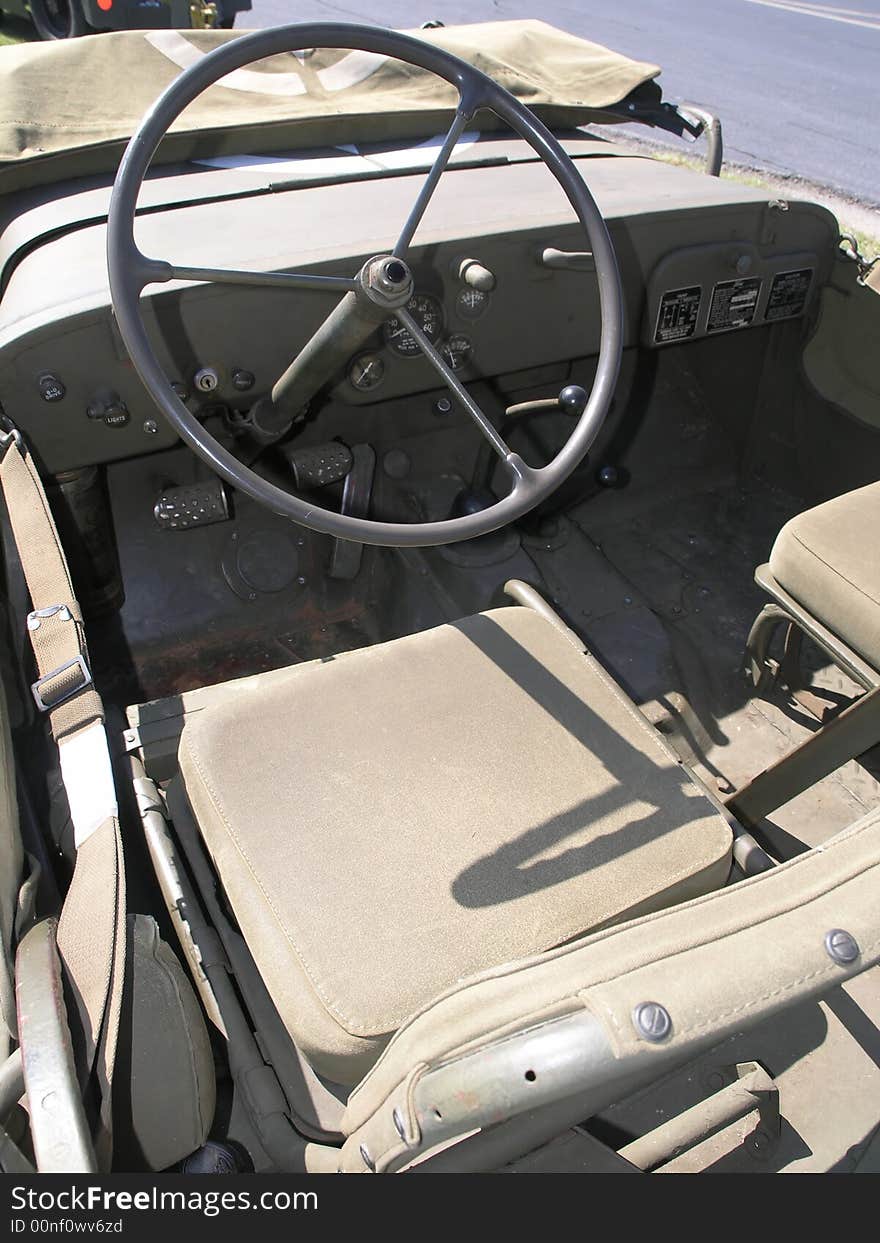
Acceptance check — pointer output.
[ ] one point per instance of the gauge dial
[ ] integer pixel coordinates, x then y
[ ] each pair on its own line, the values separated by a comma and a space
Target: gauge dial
366, 372
471, 303
457, 350
428, 314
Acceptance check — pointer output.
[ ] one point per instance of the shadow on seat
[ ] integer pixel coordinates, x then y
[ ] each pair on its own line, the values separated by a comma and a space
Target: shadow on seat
404, 816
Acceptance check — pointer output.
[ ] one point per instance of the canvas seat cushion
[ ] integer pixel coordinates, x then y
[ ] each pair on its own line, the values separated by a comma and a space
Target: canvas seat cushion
389, 821
828, 558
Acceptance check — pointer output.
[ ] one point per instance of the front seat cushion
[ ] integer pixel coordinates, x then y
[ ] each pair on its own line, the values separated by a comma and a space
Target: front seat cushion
391, 820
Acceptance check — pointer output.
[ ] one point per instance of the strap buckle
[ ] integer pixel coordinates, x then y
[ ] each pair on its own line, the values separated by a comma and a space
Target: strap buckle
9, 435
37, 691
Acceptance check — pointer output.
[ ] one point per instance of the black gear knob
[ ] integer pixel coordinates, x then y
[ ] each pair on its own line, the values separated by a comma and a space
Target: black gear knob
573, 400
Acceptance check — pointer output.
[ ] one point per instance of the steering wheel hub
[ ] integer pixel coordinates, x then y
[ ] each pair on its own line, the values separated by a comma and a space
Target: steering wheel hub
387, 281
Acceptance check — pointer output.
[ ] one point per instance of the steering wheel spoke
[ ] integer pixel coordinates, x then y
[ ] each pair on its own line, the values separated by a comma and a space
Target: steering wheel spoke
455, 386
158, 271
463, 114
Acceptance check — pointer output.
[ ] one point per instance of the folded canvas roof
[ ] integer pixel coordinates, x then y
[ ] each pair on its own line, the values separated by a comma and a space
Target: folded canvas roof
68, 108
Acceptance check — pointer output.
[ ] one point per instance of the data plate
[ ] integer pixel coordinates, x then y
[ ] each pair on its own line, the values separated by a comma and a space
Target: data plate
788, 294
733, 304
677, 316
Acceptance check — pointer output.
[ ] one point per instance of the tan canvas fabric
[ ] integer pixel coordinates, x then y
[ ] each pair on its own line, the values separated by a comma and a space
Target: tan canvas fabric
91, 929
828, 558
11, 875
719, 964
86, 96
394, 819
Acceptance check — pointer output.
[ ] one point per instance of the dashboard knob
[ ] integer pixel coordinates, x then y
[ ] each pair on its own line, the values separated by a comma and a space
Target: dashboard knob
573, 399
477, 275
51, 388
109, 408
243, 380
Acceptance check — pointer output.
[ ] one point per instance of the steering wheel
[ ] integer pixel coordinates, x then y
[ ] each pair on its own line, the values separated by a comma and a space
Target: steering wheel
381, 288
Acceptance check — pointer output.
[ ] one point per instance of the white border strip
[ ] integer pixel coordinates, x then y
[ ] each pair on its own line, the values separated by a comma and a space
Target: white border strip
88, 780
354, 68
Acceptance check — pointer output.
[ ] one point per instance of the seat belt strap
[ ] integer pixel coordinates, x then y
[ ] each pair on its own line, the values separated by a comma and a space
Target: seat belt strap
91, 932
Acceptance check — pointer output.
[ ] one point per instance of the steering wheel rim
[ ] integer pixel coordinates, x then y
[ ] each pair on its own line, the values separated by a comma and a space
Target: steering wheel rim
130, 272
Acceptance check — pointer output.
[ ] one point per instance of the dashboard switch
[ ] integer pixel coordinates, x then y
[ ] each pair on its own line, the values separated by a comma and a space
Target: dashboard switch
51, 388
109, 408
243, 380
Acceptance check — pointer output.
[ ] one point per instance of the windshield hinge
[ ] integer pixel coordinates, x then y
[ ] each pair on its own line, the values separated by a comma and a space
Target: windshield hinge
849, 248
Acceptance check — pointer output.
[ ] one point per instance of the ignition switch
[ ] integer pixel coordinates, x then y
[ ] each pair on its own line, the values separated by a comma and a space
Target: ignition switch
206, 380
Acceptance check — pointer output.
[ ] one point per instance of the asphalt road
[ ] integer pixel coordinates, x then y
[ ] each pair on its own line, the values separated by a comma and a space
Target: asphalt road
795, 82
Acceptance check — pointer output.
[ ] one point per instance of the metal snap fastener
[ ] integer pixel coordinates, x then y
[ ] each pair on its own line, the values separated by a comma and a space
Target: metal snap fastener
841, 946
652, 1021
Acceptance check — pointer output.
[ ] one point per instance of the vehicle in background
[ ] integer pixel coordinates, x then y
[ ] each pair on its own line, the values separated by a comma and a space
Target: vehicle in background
68, 19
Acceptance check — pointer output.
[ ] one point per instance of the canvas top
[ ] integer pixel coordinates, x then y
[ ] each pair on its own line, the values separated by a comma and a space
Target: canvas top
68, 108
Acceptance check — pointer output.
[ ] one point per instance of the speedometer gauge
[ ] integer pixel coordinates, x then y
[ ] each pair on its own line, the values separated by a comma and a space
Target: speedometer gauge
428, 314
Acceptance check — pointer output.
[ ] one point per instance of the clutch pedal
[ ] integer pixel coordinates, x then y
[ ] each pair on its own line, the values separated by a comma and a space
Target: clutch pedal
192, 505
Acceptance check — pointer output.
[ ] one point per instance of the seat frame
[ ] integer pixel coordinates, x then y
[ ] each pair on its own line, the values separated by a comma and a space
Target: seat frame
845, 736
785, 610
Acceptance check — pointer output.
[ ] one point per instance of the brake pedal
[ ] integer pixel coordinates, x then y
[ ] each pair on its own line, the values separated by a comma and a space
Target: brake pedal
320, 465
345, 560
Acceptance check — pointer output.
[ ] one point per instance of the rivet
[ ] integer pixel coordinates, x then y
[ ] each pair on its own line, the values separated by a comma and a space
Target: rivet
652, 1021
367, 1159
714, 1080
842, 947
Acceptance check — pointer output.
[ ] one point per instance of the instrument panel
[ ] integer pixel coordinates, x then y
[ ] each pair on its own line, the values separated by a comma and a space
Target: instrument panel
66, 380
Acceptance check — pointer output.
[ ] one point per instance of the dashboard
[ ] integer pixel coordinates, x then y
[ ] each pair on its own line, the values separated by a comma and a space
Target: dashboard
698, 257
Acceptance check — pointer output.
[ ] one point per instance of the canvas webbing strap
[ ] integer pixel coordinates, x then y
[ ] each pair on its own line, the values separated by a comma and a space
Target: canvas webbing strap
91, 932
